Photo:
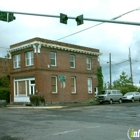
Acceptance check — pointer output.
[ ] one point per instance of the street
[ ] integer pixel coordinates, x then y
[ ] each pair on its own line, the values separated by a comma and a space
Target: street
99, 122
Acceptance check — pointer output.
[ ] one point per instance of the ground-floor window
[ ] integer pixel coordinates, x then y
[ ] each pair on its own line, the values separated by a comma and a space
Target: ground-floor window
24, 87
54, 84
73, 84
89, 83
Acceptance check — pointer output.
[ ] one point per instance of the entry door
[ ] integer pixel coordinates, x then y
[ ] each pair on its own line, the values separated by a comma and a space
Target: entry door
32, 87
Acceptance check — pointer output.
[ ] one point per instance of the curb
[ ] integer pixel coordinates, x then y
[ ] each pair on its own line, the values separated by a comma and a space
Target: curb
35, 107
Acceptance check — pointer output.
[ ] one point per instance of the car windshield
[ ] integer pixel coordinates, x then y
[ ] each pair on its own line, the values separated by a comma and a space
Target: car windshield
102, 92
129, 93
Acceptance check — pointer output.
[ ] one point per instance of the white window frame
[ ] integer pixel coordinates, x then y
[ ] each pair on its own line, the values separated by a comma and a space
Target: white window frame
89, 85
29, 58
72, 61
74, 79
53, 58
16, 88
55, 85
89, 61
16, 61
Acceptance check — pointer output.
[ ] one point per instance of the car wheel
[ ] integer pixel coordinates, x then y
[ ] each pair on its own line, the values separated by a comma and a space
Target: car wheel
110, 101
133, 100
120, 101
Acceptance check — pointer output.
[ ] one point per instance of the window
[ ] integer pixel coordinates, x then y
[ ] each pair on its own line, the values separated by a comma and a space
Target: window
24, 87
72, 61
54, 84
88, 63
29, 57
17, 61
53, 58
73, 84
89, 83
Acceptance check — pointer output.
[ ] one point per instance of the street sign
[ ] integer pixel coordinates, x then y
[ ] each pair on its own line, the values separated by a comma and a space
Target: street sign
62, 78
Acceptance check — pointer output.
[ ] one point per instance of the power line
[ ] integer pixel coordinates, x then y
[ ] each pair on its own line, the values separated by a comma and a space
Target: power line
98, 24
5, 48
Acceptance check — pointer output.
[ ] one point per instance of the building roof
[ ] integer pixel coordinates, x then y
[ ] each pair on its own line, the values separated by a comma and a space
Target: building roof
53, 44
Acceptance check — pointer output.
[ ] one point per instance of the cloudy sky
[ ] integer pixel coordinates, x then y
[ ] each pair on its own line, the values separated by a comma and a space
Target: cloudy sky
108, 38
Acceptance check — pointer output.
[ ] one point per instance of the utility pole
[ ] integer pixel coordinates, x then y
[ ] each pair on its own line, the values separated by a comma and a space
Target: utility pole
131, 74
110, 70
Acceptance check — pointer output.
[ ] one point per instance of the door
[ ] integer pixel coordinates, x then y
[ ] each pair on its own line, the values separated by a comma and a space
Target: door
32, 87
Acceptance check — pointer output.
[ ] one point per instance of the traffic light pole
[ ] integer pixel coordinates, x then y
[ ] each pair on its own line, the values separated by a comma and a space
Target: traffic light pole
88, 19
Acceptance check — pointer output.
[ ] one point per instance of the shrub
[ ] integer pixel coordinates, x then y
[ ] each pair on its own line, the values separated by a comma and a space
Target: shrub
5, 94
37, 99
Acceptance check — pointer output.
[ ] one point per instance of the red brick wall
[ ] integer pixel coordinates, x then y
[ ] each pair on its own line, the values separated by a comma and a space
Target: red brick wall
4, 67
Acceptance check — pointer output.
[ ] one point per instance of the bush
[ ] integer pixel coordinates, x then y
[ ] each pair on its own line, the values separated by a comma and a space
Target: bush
5, 94
37, 99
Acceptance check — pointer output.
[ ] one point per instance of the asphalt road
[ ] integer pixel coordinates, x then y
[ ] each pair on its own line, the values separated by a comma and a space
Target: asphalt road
100, 122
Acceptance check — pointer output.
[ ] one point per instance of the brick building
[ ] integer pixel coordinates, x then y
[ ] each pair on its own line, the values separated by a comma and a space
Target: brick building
37, 64
4, 67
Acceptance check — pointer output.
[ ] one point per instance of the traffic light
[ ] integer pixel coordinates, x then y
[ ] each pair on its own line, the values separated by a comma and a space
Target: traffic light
11, 17
3, 16
63, 18
79, 20
8, 17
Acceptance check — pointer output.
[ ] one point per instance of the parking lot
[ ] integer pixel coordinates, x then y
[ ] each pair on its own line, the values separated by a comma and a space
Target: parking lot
99, 122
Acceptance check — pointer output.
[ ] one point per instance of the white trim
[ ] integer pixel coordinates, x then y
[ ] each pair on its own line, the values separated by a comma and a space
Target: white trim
28, 45
49, 45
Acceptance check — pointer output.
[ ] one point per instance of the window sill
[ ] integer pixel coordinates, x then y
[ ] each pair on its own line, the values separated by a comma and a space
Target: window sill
73, 93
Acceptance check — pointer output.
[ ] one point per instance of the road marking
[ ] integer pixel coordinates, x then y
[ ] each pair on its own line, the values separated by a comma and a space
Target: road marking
74, 130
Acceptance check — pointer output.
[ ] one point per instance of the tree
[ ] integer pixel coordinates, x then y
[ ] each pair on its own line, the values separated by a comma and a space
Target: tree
124, 83
5, 81
100, 78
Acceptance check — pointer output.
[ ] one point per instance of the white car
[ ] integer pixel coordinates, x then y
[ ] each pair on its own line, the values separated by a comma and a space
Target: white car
131, 96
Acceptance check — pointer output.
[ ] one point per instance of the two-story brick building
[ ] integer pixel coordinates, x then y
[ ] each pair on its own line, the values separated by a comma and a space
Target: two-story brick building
37, 64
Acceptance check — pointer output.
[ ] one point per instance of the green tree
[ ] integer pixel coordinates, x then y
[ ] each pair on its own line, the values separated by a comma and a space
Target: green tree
124, 83
100, 78
5, 81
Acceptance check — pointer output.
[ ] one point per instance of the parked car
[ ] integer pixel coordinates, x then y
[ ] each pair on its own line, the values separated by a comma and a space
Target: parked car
110, 96
131, 96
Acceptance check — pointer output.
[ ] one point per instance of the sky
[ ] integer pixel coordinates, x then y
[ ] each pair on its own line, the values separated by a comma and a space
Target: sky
107, 37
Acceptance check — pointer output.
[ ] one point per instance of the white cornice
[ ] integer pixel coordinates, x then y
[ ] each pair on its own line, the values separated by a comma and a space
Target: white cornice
48, 45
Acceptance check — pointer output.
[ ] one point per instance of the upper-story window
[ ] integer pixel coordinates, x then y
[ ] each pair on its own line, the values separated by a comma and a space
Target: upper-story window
72, 61
88, 63
17, 61
53, 58
29, 57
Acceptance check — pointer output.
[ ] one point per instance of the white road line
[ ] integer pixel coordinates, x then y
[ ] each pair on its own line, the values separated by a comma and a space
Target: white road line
70, 131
